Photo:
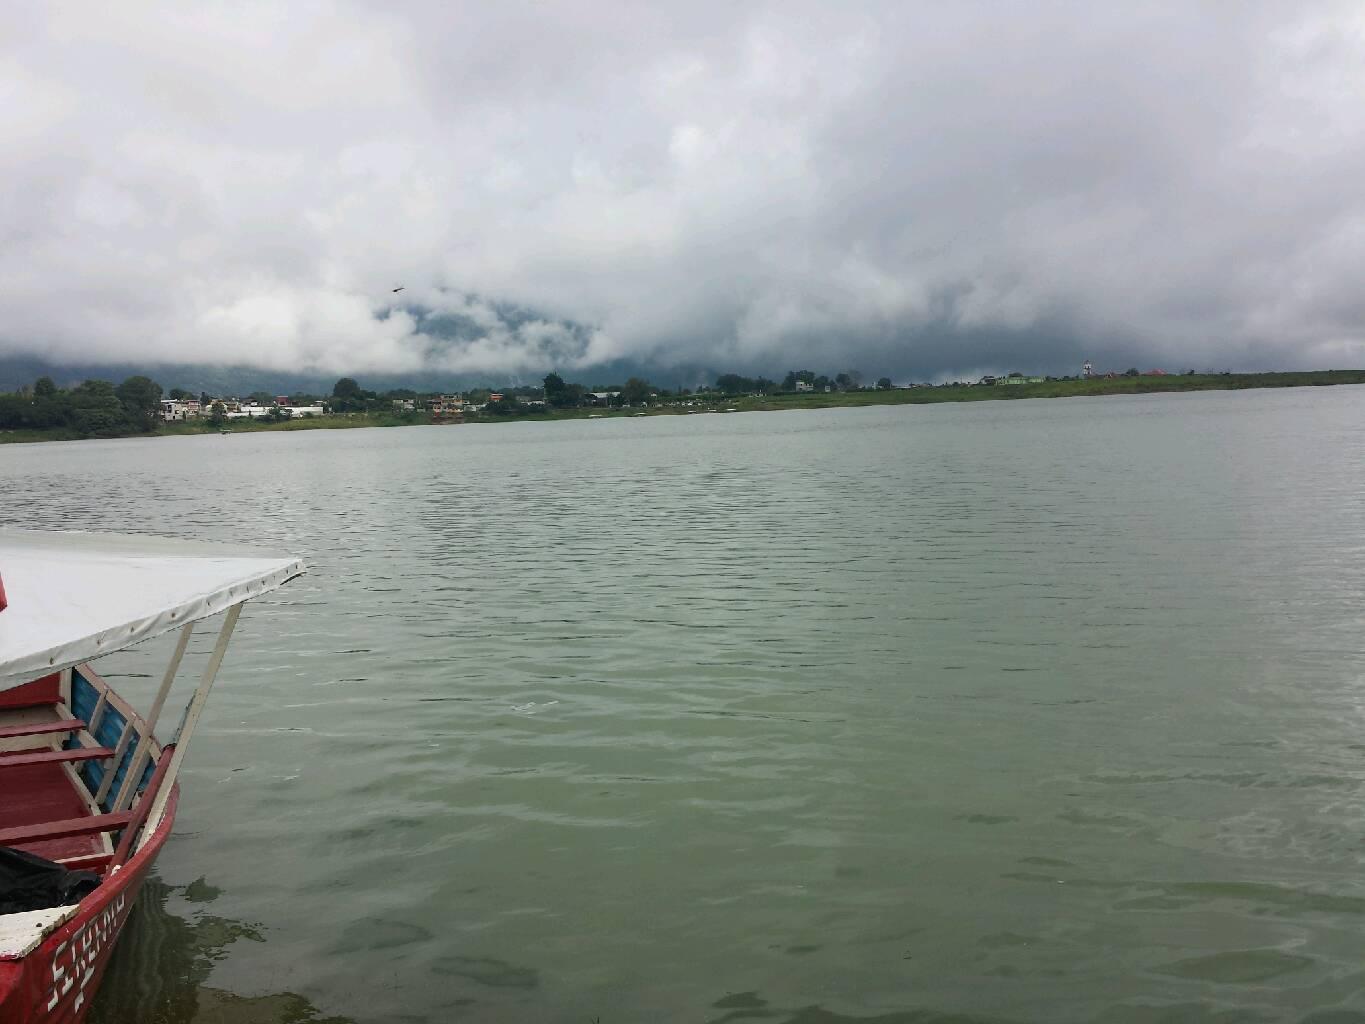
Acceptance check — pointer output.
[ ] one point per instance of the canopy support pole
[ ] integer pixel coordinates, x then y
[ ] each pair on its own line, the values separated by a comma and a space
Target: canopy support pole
130, 778
191, 719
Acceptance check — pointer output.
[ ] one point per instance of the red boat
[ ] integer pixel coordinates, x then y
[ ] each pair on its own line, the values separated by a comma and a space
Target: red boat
87, 794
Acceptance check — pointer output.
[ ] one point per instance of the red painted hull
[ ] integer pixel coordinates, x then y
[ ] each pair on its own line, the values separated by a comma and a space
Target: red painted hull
56, 982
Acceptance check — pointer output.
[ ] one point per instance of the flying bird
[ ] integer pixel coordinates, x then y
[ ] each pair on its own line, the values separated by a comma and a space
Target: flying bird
398, 289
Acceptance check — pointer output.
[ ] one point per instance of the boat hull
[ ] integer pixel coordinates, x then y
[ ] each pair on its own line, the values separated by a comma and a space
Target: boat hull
56, 982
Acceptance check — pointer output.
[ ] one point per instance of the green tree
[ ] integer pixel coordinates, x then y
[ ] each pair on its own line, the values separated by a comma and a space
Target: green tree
635, 391
179, 394
884, 383
14, 412
141, 398
734, 384
49, 407
96, 410
561, 395
1132, 371
347, 396
218, 414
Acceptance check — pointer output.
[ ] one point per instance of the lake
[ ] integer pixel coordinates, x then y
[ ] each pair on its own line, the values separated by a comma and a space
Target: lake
1001, 711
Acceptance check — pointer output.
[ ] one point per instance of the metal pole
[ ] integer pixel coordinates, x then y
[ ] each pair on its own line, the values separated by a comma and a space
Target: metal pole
192, 712
130, 779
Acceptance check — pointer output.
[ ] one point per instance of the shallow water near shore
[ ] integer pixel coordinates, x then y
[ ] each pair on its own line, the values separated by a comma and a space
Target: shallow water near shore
1009, 711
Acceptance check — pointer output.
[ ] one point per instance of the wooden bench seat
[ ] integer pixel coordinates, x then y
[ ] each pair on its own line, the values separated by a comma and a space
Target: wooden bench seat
51, 756
62, 829
9, 732
94, 862
25, 704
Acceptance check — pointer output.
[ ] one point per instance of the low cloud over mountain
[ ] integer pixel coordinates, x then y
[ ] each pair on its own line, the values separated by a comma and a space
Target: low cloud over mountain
919, 188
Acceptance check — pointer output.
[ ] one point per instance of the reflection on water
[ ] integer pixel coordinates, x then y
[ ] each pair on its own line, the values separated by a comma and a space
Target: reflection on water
158, 970
1012, 711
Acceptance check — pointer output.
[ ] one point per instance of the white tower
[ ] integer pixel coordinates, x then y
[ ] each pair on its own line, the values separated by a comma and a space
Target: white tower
1086, 370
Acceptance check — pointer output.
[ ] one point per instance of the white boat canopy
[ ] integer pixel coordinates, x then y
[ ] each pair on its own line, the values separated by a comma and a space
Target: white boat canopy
74, 597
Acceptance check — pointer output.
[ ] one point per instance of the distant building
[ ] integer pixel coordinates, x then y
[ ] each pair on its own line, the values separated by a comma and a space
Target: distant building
448, 408
1087, 371
804, 385
249, 412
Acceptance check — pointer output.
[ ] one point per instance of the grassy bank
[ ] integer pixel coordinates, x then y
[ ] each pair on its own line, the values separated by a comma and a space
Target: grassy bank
1059, 389
242, 426
758, 403
343, 421
974, 393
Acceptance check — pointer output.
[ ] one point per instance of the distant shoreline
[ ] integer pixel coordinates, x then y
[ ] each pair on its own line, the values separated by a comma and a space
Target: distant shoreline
715, 402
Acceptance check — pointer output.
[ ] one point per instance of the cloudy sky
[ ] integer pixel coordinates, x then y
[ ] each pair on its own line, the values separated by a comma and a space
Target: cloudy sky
918, 188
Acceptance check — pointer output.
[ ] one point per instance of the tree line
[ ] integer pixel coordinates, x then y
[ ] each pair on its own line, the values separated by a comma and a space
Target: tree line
636, 391
95, 408
98, 408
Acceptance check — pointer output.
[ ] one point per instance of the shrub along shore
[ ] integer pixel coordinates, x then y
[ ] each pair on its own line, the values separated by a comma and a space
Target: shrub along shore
105, 411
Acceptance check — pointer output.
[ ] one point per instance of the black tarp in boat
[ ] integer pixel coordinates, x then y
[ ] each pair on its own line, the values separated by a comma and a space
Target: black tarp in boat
30, 882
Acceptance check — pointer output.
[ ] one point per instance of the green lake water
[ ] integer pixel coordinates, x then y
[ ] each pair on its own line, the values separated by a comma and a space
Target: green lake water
1004, 711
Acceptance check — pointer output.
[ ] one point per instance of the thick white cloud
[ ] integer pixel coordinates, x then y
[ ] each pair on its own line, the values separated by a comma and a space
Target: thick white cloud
933, 187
